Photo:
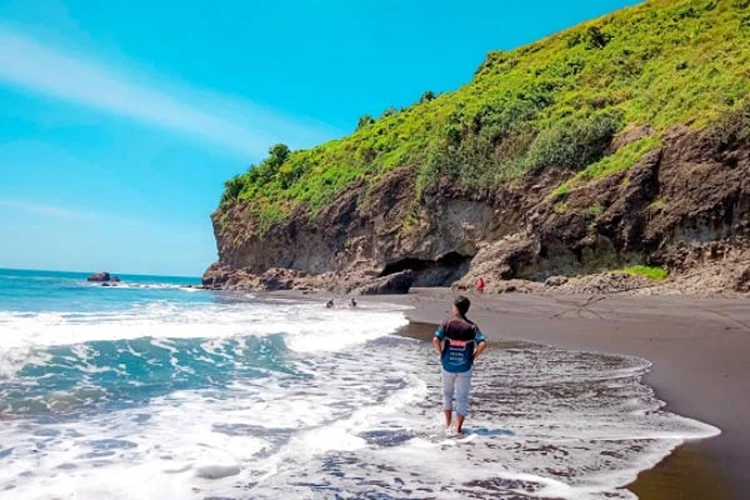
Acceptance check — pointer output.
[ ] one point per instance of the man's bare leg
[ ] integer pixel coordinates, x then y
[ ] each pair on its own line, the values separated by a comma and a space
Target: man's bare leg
448, 417
459, 422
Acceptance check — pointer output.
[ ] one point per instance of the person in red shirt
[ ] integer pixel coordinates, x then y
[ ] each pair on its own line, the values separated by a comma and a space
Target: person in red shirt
480, 285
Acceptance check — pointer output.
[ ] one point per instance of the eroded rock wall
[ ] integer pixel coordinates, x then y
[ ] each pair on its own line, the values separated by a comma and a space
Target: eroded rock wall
682, 206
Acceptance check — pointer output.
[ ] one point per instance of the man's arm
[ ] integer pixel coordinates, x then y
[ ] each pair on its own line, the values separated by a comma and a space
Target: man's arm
480, 349
438, 344
437, 340
481, 344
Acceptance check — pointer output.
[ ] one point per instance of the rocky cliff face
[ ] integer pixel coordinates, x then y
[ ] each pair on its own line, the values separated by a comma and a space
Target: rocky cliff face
683, 206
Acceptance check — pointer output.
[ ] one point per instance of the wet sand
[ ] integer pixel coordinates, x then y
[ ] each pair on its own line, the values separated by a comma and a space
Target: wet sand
701, 355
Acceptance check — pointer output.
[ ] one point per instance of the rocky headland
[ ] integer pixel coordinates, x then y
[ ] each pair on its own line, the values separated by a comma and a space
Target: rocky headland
600, 160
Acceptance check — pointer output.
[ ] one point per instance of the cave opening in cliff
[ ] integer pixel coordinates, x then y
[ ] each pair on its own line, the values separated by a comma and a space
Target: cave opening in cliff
440, 272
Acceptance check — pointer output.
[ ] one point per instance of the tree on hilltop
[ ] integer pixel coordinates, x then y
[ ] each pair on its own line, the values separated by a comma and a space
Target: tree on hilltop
364, 121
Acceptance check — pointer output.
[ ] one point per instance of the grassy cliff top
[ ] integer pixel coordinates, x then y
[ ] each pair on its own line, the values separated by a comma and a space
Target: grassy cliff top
556, 102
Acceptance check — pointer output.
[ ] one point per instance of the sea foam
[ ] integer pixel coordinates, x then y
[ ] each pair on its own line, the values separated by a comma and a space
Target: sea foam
287, 399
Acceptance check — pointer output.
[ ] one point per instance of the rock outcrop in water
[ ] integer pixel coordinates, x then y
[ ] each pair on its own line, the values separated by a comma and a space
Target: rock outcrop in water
103, 277
581, 198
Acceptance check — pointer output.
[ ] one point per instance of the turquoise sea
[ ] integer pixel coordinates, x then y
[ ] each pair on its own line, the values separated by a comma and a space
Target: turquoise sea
155, 390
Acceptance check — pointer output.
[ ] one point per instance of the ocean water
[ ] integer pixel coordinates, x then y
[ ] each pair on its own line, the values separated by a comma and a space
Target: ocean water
153, 390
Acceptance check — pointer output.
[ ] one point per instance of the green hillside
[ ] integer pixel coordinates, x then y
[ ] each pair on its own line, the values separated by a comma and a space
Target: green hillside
556, 102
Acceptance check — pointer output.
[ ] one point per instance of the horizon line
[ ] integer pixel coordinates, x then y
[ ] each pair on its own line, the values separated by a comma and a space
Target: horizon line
2, 268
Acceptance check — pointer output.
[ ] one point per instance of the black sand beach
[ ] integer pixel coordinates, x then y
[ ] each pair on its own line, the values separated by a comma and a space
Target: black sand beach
701, 355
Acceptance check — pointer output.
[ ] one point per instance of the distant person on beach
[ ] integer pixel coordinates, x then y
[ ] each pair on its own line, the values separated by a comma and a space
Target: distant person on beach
480, 285
459, 343
330, 304
352, 303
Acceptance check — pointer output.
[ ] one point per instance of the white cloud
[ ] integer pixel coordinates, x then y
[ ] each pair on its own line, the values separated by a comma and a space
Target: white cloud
230, 123
64, 213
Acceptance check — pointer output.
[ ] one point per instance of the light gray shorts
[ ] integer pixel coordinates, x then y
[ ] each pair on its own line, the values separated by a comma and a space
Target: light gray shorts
458, 385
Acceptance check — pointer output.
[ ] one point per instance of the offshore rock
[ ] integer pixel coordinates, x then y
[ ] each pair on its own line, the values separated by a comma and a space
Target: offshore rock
102, 277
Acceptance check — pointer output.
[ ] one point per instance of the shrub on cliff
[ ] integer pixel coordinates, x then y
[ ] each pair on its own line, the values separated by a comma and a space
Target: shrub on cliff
596, 39
732, 127
427, 97
389, 111
573, 144
364, 121
232, 189
278, 154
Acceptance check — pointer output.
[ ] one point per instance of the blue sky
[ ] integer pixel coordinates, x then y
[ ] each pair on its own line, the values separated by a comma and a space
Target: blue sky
120, 120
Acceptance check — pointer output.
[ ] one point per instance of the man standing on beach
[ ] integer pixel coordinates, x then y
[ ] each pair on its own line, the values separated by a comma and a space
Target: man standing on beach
459, 343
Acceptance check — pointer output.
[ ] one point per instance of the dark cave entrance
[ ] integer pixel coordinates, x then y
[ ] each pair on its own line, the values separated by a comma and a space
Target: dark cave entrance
428, 273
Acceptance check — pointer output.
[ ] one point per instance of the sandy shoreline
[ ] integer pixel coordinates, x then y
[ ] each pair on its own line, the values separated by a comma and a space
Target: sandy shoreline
701, 355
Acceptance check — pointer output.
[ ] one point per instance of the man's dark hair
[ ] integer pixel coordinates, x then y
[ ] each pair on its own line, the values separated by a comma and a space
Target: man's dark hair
462, 304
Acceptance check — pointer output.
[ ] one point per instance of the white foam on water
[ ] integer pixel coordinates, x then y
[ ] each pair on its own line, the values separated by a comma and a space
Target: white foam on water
352, 411
190, 443
123, 455
125, 285
321, 329
562, 435
216, 468
111, 483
